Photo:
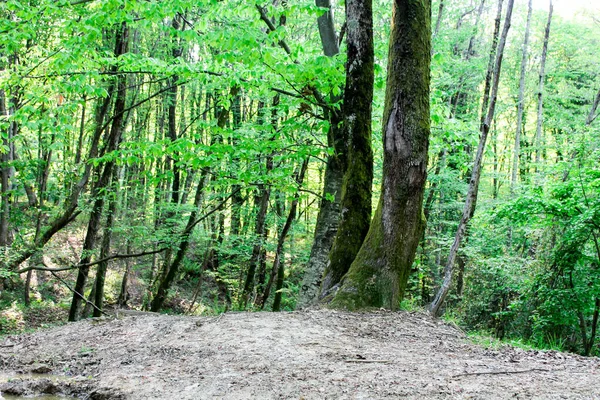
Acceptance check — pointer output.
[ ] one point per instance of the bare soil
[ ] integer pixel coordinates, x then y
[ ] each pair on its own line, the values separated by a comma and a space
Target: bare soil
300, 355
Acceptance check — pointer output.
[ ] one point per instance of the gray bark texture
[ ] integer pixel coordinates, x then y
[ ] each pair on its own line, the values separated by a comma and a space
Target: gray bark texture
519, 128
540, 94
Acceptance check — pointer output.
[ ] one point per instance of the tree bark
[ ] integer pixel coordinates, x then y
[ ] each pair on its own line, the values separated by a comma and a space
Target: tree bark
237, 200
438, 21
105, 251
4, 179
540, 94
379, 274
471, 200
519, 128
358, 178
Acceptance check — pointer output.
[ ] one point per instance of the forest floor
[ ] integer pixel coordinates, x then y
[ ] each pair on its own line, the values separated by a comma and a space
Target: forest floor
300, 355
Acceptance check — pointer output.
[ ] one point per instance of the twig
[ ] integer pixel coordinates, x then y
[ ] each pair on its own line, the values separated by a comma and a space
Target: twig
367, 361
219, 319
519, 371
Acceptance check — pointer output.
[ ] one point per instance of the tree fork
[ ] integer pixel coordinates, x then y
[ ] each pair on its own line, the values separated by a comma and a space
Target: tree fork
378, 275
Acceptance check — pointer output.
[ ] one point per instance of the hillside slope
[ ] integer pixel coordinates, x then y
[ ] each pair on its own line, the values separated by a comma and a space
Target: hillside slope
300, 355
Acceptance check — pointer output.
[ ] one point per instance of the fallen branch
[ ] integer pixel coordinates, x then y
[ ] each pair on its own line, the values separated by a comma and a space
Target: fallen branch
358, 360
78, 294
520, 371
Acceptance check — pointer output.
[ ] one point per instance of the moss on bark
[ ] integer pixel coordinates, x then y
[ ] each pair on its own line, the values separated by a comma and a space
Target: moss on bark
358, 177
379, 273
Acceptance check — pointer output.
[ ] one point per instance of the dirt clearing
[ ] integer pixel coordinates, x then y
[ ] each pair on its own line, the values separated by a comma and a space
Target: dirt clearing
300, 355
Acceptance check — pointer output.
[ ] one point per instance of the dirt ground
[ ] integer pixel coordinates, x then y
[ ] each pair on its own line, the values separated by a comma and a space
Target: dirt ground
301, 355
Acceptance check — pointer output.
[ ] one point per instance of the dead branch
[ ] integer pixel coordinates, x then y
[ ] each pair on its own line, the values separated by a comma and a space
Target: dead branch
114, 256
520, 371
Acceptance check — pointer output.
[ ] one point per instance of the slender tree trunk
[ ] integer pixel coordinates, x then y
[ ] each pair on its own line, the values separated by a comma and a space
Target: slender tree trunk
237, 199
277, 272
490, 68
471, 200
261, 202
165, 284
592, 114
520, 101
358, 177
438, 21
105, 251
329, 208
379, 274
4, 180
124, 293
540, 94
589, 343
112, 144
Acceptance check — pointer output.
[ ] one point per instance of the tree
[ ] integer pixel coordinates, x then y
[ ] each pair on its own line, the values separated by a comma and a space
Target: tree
356, 110
379, 274
471, 199
520, 100
540, 93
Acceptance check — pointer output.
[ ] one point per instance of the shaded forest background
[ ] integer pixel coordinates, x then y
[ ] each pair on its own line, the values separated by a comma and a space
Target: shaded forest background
172, 155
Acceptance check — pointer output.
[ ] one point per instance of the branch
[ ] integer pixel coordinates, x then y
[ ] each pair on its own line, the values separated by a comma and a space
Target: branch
78, 294
208, 214
85, 265
342, 33
519, 371
265, 18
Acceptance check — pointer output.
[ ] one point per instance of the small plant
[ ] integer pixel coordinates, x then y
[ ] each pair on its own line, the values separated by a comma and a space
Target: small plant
86, 350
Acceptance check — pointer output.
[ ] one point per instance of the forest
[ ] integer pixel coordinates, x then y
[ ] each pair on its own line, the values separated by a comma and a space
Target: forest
198, 157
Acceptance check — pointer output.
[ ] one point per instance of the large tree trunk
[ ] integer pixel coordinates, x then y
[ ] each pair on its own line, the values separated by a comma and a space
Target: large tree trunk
471, 200
520, 100
540, 94
378, 275
358, 177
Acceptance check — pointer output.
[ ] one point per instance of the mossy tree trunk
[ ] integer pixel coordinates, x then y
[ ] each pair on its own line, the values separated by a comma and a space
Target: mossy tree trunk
358, 178
378, 275
329, 208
